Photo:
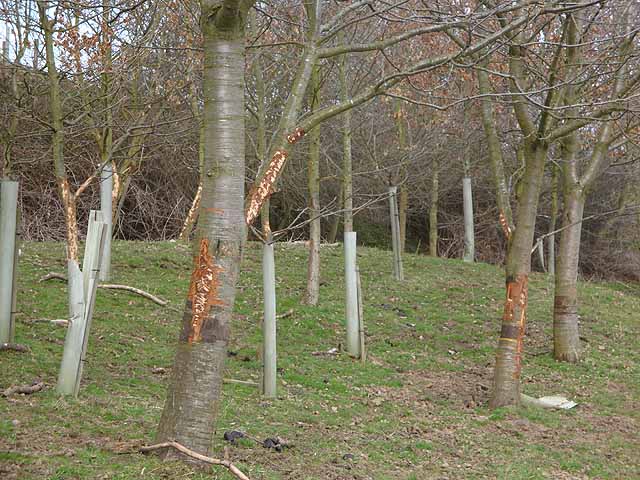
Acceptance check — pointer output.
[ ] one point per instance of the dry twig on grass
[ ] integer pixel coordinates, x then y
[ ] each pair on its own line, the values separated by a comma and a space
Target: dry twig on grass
241, 382
16, 347
60, 322
110, 286
24, 389
190, 453
286, 314
137, 291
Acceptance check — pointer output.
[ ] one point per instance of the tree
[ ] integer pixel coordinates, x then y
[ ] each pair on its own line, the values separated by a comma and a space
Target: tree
194, 394
538, 134
577, 182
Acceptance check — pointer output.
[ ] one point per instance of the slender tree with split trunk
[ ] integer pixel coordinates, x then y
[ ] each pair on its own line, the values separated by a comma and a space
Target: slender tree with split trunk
57, 143
506, 381
578, 181
538, 133
193, 397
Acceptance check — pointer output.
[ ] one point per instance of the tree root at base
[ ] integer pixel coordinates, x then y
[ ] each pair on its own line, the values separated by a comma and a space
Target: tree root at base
213, 461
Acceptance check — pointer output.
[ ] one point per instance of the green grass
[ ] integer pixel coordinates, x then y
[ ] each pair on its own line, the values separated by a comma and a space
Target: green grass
416, 410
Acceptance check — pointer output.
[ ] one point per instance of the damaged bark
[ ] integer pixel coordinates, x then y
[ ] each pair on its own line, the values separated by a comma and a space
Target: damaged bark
203, 293
194, 395
264, 189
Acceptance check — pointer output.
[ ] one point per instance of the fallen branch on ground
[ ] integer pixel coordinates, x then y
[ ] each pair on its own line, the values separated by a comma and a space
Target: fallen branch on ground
52, 276
16, 347
24, 389
241, 382
213, 461
60, 322
286, 314
110, 286
137, 291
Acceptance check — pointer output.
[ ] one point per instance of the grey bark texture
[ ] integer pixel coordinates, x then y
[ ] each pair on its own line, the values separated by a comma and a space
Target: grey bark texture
194, 394
312, 293
347, 168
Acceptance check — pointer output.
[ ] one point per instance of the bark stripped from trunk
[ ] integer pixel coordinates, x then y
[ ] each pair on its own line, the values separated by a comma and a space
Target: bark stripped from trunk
511, 344
69, 203
515, 316
506, 229
191, 216
566, 336
194, 395
506, 381
265, 188
203, 291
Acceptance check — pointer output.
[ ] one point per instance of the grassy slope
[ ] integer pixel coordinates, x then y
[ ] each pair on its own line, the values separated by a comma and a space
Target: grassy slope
417, 409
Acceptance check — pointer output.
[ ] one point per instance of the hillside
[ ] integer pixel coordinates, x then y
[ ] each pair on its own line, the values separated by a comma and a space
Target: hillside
417, 409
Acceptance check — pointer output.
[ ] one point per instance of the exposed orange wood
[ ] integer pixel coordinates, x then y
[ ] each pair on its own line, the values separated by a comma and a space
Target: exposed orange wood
203, 290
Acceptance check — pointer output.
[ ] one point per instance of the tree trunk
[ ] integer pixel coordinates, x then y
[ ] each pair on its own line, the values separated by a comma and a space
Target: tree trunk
403, 195
403, 208
493, 144
551, 242
433, 212
57, 138
347, 167
193, 398
506, 380
335, 220
566, 339
313, 269
106, 147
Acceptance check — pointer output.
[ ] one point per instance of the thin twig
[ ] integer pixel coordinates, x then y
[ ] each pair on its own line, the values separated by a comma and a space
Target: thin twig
286, 314
241, 382
585, 219
60, 322
213, 461
137, 291
111, 286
